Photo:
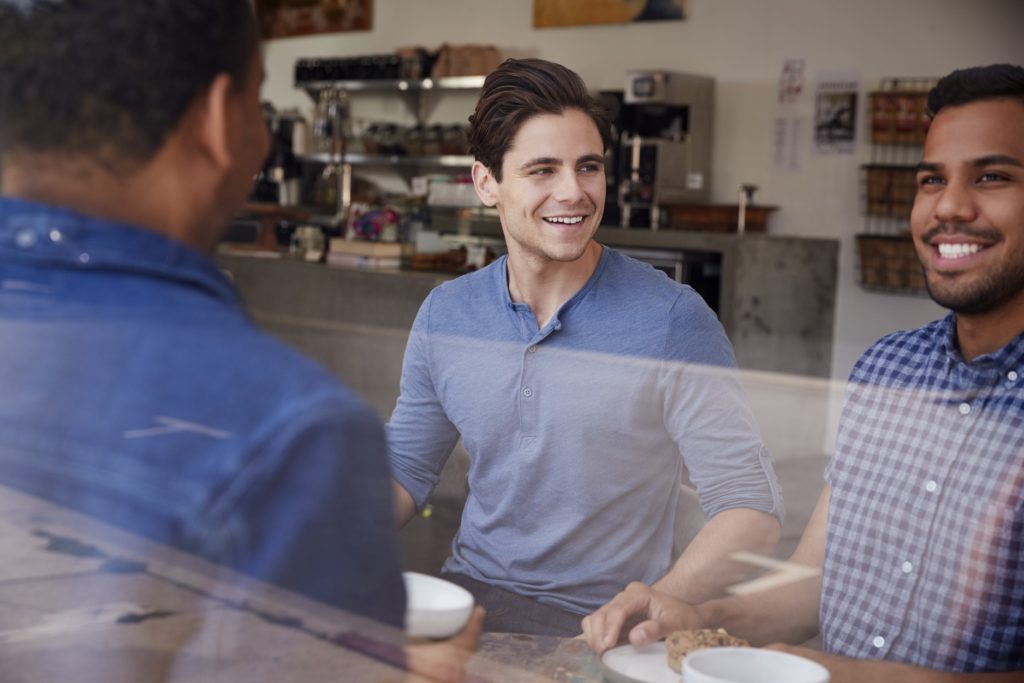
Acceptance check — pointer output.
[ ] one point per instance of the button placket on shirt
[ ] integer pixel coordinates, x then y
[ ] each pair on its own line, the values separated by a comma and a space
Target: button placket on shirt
909, 566
527, 396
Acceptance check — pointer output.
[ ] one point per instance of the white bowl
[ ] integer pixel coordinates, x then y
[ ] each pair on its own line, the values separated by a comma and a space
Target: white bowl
435, 608
750, 665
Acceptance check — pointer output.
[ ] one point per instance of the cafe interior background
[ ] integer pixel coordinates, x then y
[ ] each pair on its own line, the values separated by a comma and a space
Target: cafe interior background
815, 103
820, 270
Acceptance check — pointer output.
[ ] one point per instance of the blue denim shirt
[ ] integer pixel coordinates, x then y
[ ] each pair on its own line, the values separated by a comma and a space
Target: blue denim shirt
136, 390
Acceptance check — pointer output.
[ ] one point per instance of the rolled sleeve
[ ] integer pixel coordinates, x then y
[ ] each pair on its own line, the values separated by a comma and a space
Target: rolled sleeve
420, 436
709, 417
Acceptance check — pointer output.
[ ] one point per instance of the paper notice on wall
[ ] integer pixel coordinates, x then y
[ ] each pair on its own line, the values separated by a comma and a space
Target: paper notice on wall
787, 147
790, 123
791, 81
835, 112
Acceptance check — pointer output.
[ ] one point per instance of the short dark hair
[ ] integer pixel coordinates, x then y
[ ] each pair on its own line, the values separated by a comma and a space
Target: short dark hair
109, 80
963, 86
518, 90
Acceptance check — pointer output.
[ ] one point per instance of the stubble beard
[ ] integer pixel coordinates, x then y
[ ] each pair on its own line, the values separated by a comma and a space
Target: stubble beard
988, 293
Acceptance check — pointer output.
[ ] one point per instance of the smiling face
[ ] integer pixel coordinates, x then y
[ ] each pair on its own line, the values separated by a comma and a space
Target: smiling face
968, 217
551, 195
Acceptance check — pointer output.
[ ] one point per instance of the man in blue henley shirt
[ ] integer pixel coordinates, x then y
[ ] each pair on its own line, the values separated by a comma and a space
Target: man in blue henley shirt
581, 382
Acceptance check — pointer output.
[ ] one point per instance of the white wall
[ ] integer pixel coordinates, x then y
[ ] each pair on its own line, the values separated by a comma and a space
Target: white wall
742, 43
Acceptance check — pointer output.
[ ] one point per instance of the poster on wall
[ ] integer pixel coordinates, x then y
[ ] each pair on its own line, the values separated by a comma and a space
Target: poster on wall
548, 13
285, 18
835, 112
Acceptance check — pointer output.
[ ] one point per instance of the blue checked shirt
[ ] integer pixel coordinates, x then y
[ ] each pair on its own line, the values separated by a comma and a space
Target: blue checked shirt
925, 554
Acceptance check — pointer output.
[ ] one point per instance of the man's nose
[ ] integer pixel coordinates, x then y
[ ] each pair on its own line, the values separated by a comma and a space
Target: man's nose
568, 188
956, 204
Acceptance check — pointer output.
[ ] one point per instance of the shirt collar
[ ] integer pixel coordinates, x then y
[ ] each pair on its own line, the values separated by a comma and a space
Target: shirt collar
60, 237
1009, 357
501, 274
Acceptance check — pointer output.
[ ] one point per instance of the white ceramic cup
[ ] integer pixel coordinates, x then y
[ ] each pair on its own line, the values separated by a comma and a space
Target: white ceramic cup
750, 665
435, 608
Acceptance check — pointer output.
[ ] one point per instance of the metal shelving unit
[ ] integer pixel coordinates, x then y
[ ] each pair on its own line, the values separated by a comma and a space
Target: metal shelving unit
413, 92
411, 161
452, 83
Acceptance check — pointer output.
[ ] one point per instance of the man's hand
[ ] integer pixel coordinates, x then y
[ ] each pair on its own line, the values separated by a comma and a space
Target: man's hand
648, 614
445, 661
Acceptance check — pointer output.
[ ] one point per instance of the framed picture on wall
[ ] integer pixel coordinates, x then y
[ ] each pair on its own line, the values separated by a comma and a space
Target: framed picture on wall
583, 12
284, 18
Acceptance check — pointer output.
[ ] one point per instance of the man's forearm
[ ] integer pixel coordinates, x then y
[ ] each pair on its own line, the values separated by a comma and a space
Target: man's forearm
846, 670
405, 506
704, 569
786, 614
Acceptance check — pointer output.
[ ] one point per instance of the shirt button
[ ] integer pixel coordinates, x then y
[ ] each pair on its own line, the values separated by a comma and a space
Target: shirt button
965, 408
55, 236
527, 392
878, 641
531, 349
1012, 375
931, 486
907, 567
26, 239
83, 258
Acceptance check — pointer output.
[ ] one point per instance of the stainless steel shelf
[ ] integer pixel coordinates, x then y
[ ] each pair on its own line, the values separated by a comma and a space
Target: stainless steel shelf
400, 85
411, 161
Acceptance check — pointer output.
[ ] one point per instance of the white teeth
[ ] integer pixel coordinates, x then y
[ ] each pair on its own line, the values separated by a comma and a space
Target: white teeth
567, 220
955, 251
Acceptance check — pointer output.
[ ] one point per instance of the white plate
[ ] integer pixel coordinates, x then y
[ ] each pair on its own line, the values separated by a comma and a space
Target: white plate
435, 608
647, 664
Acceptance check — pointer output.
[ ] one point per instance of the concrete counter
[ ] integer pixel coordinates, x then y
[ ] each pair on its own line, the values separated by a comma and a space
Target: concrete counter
777, 298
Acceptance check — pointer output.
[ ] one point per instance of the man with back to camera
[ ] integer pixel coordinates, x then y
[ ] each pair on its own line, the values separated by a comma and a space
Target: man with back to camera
919, 532
580, 381
136, 390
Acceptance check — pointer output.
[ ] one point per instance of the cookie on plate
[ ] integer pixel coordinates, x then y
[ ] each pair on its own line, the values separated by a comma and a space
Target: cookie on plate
681, 643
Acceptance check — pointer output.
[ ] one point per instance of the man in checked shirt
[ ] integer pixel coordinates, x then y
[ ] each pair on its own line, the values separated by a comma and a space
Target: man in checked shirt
919, 532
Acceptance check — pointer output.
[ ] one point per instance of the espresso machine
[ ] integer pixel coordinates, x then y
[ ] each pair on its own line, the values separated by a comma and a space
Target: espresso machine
662, 154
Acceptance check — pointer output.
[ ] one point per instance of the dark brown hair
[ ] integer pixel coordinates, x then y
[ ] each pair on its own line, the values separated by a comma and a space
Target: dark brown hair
963, 86
108, 80
518, 90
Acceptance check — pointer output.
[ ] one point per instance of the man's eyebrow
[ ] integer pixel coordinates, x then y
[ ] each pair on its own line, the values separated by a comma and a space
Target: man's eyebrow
980, 162
996, 160
592, 158
542, 161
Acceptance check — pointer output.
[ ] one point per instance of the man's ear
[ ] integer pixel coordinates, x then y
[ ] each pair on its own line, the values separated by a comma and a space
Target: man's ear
485, 184
214, 131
